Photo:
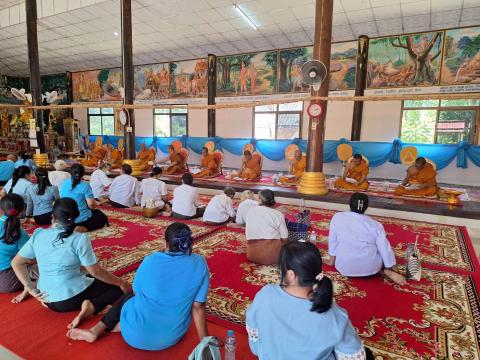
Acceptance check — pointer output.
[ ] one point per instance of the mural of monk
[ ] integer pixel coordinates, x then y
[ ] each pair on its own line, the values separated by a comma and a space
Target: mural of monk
243, 79
208, 166
177, 162
355, 175
296, 170
251, 166
420, 180
145, 156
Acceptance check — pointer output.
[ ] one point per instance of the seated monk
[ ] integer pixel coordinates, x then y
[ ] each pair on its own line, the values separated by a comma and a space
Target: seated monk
96, 155
208, 165
116, 158
251, 166
296, 170
145, 156
178, 162
420, 180
356, 170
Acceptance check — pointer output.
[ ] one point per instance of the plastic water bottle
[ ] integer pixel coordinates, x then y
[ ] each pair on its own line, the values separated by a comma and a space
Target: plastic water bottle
230, 346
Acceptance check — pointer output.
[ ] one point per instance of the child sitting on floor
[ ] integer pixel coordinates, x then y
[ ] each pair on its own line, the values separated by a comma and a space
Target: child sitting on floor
247, 201
220, 209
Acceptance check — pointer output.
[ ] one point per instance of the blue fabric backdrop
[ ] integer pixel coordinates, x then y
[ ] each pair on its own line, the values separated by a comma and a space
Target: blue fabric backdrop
378, 153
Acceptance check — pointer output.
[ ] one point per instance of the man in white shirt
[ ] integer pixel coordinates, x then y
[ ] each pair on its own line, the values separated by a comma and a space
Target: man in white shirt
247, 201
58, 176
154, 190
220, 209
123, 193
185, 200
100, 182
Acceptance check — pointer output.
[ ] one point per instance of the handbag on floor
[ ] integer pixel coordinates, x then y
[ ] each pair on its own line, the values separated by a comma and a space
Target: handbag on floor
208, 349
414, 266
304, 215
297, 231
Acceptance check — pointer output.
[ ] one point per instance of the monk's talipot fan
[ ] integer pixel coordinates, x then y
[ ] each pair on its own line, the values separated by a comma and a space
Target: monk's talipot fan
314, 73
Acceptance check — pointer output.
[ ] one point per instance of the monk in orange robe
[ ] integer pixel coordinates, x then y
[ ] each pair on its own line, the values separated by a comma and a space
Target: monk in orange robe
96, 155
208, 166
116, 158
356, 172
251, 166
420, 180
178, 164
297, 169
145, 156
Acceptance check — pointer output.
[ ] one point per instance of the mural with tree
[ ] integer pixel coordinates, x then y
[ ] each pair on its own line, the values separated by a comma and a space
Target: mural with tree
97, 85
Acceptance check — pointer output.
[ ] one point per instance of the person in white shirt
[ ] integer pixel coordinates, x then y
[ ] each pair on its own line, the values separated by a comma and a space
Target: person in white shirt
247, 201
123, 193
185, 204
220, 209
155, 190
100, 182
58, 176
265, 230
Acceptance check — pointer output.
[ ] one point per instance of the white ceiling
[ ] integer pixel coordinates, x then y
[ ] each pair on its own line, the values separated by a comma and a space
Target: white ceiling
79, 34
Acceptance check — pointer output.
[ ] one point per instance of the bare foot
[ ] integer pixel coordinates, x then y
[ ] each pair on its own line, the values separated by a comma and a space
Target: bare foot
82, 335
395, 277
81, 229
86, 310
20, 297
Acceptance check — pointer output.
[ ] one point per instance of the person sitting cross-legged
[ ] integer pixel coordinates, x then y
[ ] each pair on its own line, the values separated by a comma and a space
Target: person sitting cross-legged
247, 200
185, 205
155, 190
420, 180
355, 175
159, 310
100, 182
220, 209
123, 193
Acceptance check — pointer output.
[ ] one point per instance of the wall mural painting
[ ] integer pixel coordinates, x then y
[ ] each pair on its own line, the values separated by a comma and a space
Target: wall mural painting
406, 60
461, 61
290, 64
56, 89
152, 81
343, 65
189, 78
97, 85
247, 74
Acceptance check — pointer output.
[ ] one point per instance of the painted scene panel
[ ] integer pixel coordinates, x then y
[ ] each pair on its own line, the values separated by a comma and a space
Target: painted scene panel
97, 85
405, 60
151, 81
247, 74
59, 83
188, 78
290, 64
461, 61
343, 65
9, 82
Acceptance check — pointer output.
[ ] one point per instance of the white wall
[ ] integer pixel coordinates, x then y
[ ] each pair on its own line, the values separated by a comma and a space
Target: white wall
198, 123
381, 120
234, 123
143, 122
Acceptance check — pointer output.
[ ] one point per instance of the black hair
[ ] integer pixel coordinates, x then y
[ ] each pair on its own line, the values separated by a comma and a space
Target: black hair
229, 191
268, 197
65, 211
42, 180
24, 155
358, 156
12, 206
305, 260
19, 173
157, 170
187, 179
179, 238
77, 171
127, 169
247, 153
359, 203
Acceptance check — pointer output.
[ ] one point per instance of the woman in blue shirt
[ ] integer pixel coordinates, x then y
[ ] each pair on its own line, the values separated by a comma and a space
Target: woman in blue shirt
90, 218
25, 160
170, 288
6, 169
61, 253
298, 319
19, 183
40, 198
12, 238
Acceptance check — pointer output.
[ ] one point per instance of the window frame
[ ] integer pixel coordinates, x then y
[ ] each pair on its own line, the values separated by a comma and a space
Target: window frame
439, 108
101, 114
278, 112
170, 114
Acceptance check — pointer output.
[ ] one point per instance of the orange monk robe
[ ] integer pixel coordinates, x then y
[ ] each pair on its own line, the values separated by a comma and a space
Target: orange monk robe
97, 155
144, 157
252, 168
297, 170
426, 176
178, 165
209, 167
116, 159
356, 172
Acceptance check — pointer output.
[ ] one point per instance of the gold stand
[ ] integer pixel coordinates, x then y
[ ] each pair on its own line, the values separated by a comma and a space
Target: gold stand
41, 160
135, 164
313, 183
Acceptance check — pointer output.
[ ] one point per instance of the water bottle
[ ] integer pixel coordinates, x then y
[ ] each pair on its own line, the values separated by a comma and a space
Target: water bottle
230, 346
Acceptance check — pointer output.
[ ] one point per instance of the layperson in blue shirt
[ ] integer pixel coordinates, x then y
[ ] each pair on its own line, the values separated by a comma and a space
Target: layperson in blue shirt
12, 238
61, 253
6, 169
40, 198
20, 183
170, 288
90, 218
298, 318
25, 160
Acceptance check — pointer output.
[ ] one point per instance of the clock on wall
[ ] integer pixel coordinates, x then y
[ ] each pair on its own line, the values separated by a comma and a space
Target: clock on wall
314, 110
123, 117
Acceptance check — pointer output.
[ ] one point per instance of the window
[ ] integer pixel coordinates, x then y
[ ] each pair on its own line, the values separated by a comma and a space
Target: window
440, 121
278, 121
101, 121
170, 122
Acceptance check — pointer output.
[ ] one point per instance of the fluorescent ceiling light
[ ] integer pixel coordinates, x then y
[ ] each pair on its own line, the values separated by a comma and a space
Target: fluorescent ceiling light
247, 19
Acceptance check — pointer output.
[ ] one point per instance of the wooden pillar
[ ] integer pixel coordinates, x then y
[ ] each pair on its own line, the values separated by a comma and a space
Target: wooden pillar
313, 180
127, 68
212, 93
360, 83
34, 64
